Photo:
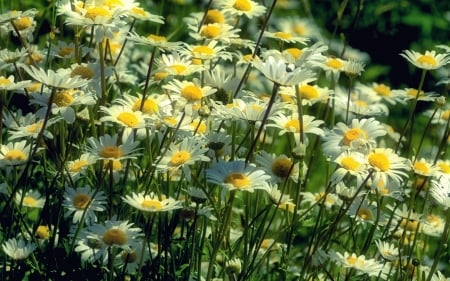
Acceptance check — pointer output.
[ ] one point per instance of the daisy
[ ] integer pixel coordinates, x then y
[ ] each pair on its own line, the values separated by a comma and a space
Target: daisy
363, 211
362, 265
31, 199
443, 168
18, 249
440, 190
94, 241
157, 41
408, 94
291, 124
286, 37
222, 32
181, 155
386, 165
8, 84
353, 163
353, 68
78, 167
13, 154
207, 52
107, 147
432, 225
248, 8
427, 61
8, 57
380, 91
328, 200
310, 94
151, 202
387, 250
139, 13
60, 78
360, 136
278, 167
31, 127
63, 102
124, 116
277, 71
303, 27
174, 64
82, 203
188, 91
237, 175
131, 258
424, 168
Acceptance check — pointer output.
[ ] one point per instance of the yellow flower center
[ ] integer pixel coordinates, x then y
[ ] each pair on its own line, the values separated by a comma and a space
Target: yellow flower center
413, 92
238, 180
81, 201
170, 120
129, 119
138, 11
111, 152
152, 204
63, 98
349, 163
421, 168
445, 168
129, 257
353, 134
15, 155
83, 71
446, 114
210, 31
113, 3
94, 12
334, 63
426, 59
294, 52
34, 87
78, 165
150, 106
35, 128
29, 201
382, 90
380, 161
65, 51
180, 157
200, 127
242, 5
282, 35
179, 68
281, 167
309, 92
161, 75
300, 29
23, 23
365, 214
192, 93
434, 220
116, 164
43, 232
114, 236
292, 126
203, 50
352, 260
214, 16
157, 38
329, 199
4, 81
361, 103
410, 225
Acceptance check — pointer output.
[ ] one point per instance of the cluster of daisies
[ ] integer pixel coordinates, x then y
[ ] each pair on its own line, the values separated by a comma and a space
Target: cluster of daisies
249, 148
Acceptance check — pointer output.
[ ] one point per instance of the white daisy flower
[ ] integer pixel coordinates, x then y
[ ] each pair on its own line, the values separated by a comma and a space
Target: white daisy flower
8, 84
13, 154
181, 155
60, 78
237, 175
286, 37
124, 116
387, 166
18, 249
79, 166
31, 199
154, 40
353, 163
248, 8
387, 250
279, 72
151, 202
428, 61
189, 91
279, 167
107, 147
440, 191
82, 203
362, 265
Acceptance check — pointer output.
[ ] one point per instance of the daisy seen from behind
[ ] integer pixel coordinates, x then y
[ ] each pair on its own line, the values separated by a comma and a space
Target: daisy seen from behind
18, 248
